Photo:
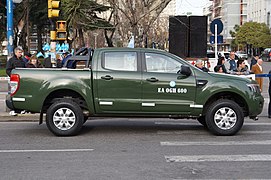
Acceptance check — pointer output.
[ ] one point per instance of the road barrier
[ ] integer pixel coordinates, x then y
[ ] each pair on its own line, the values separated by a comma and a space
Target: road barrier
262, 75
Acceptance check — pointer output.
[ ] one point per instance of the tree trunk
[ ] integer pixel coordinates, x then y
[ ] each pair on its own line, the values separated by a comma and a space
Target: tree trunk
81, 38
39, 36
109, 38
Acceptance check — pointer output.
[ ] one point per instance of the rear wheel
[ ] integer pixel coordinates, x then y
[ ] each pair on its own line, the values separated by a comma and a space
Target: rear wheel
64, 118
224, 117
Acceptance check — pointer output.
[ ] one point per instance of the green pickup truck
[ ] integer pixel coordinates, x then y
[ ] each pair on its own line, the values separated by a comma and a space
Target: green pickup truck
126, 82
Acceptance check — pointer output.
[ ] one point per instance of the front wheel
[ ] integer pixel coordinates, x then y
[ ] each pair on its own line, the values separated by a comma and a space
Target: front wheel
224, 117
64, 118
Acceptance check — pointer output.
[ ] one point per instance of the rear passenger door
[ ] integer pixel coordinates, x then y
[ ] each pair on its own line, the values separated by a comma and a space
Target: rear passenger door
118, 82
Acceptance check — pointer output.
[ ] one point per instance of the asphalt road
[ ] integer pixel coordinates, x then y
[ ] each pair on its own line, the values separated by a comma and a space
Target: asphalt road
157, 149
135, 149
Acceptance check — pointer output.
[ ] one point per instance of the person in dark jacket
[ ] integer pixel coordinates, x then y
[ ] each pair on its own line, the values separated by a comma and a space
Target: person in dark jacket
230, 64
34, 62
16, 61
254, 61
47, 62
199, 64
221, 63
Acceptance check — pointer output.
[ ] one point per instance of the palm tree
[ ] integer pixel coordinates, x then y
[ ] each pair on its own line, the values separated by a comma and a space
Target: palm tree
81, 15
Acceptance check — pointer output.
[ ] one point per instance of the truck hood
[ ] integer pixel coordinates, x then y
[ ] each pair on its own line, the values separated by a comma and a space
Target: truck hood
231, 77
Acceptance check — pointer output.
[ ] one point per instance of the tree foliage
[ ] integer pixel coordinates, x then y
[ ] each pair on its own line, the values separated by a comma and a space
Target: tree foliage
81, 15
256, 34
37, 18
136, 17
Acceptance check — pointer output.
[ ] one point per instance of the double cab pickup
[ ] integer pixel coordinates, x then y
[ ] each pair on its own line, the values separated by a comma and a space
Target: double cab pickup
134, 82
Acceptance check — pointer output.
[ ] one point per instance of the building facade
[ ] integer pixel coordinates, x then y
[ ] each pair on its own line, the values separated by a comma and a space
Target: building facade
233, 13
237, 12
259, 11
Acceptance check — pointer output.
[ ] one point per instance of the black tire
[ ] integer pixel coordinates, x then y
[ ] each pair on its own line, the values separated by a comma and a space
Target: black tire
202, 121
224, 117
64, 118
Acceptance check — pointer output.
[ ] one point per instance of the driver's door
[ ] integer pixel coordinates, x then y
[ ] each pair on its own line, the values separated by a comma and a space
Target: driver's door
165, 90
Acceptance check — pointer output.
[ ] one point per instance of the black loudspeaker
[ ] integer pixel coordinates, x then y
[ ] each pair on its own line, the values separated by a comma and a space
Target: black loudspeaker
178, 35
198, 36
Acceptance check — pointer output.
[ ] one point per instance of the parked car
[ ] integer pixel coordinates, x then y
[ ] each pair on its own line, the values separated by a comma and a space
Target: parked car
266, 55
241, 54
225, 54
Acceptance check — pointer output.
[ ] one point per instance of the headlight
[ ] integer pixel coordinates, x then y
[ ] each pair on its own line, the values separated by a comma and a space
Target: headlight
254, 88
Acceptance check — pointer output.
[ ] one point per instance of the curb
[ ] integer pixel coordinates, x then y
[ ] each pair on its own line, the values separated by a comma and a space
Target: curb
5, 117
4, 78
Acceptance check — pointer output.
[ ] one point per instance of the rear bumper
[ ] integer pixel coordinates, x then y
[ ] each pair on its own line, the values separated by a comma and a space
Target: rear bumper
9, 103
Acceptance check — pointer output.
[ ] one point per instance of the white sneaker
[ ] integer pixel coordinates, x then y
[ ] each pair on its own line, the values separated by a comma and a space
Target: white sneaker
12, 113
23, 112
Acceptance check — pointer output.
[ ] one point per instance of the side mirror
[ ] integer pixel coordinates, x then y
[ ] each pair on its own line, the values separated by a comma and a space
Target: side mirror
185, 70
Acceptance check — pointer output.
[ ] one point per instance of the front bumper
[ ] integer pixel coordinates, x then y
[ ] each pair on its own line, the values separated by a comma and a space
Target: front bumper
256, 106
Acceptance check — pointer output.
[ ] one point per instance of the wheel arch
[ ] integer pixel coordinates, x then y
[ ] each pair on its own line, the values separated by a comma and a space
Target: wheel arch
227, 95
65, 93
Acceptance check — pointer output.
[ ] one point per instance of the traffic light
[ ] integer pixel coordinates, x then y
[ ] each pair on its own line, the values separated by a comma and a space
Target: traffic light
61, 32
53, 35
53, 10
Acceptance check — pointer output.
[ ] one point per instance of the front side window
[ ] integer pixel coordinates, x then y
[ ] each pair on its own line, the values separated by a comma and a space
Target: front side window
121, 61
161, 63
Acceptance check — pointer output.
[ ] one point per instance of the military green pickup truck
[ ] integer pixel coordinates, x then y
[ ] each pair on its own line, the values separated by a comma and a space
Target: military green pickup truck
125, 82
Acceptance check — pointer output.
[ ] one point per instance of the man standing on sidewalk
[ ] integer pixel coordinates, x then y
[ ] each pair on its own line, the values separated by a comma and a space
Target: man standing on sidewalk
16, 61
230, 64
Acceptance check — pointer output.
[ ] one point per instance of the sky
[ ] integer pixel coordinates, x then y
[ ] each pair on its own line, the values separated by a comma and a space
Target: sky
194, 6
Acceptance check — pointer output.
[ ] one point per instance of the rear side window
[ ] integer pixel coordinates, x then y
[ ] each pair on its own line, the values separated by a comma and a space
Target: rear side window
120, 61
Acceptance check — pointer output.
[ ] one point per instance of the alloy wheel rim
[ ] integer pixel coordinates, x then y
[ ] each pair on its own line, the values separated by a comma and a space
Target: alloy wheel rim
64, 119
225, 118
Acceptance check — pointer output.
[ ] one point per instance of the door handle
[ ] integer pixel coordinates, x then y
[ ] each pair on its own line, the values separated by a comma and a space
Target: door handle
107, 77
152, 79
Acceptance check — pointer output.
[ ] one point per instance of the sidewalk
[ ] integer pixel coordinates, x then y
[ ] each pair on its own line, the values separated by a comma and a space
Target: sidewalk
4, 112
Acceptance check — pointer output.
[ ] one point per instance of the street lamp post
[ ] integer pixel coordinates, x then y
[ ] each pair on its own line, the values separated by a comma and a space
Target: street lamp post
10, 25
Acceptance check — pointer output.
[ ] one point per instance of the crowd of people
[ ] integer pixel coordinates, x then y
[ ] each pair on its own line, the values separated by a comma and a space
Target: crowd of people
22, 59
239, 67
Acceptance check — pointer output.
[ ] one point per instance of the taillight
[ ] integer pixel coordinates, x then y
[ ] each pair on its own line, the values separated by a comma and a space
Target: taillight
14, 83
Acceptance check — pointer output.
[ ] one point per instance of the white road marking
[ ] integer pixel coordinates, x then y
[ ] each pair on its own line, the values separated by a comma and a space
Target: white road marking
44, 150
220, 158
215, 143
169, 132
196, 123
